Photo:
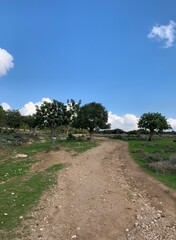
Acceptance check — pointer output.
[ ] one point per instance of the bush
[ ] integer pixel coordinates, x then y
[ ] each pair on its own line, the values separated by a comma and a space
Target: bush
170, 149
71, 137
116, 137
172, 160
168, 166
150, 158
15, 138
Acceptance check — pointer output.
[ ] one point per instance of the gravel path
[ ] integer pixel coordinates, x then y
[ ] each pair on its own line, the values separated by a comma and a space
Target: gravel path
104, 195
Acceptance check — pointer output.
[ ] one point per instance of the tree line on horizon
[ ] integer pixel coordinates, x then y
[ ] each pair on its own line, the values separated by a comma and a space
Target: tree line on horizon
52, 115
92, 117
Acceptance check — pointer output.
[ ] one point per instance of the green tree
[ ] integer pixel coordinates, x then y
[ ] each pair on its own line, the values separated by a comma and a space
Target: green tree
92, 116
31, 122
153, 122
13, 119
51, 115
71, 113
2, 117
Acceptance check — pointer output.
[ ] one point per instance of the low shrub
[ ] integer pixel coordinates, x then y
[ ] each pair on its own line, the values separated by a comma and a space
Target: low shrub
172, 159
116, 137
71, 137
141, 151
155, 157
167, 166
170, 149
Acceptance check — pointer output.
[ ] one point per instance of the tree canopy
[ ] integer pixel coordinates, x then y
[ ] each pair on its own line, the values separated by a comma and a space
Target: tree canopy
153, 122
13, 118
92, 116
51, 115
2, 117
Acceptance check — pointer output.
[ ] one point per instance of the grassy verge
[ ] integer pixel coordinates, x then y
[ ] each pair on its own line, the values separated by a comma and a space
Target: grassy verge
21, 189
77, 146
144, 152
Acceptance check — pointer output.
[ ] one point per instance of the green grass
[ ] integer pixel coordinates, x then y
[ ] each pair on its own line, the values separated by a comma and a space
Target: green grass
35, 147
165, 146
21, 189
12, 168
77, 146
19, 197
56, 167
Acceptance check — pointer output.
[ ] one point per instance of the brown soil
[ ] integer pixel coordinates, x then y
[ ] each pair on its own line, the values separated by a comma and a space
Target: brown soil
104, 195
50, 159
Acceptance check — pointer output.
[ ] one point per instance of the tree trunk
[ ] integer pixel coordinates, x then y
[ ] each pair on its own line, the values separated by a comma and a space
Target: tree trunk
91, 134
151, 135
52, 137
33, 131
68, 130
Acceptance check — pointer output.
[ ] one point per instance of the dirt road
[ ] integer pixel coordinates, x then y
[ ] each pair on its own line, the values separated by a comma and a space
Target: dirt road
104, 195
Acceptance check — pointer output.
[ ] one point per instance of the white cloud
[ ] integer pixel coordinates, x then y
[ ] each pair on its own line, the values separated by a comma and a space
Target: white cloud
164, 33
127, 122
30, 107
172, 122
6, 106
6, 62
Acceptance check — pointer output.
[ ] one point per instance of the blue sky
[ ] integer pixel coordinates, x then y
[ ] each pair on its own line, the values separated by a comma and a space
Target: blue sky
93, 50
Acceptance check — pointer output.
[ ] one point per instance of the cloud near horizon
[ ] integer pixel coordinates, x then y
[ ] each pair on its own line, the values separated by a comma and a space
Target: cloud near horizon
164, 33
127, 122
172, 122
30, 107
5, 106
6, 62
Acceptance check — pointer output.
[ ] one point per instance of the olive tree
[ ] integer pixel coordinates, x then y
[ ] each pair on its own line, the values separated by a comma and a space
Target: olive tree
51, 115
72, 113
153, 122
31, 122
92, 116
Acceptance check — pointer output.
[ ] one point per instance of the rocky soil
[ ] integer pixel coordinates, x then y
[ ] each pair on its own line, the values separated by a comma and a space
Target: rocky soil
104, 195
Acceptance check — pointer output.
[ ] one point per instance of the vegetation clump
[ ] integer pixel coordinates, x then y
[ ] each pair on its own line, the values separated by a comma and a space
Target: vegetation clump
168, 166
156, 158
92, 116
153, 122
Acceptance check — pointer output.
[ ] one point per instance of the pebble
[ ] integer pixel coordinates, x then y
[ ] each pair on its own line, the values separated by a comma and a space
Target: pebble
74, 236
136, 224
20, 155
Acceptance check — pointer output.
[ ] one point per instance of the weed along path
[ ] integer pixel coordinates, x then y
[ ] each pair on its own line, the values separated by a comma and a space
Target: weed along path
104, 195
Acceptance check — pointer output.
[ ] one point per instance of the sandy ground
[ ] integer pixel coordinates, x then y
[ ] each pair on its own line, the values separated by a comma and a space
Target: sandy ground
104, 195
